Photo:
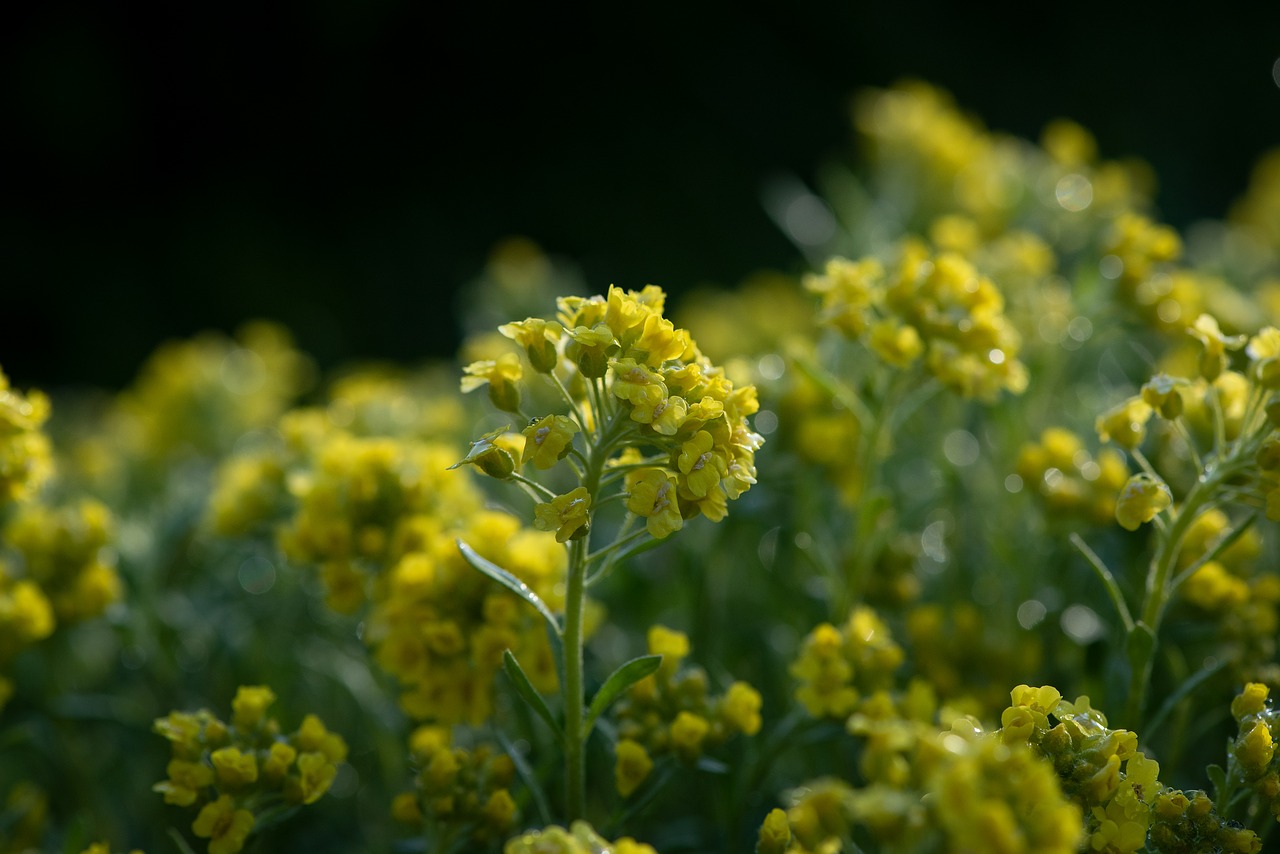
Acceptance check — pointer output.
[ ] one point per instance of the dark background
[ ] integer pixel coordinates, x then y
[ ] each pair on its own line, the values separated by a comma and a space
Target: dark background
345, 168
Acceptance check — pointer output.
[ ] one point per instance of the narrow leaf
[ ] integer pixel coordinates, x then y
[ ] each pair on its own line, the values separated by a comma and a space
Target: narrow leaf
1189, 684
1218, 777
620, 680
527, 775
508, 581
528, 693
1222, 545
1108, 581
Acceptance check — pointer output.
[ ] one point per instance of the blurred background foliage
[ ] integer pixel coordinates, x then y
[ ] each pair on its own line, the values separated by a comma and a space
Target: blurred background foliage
345, 168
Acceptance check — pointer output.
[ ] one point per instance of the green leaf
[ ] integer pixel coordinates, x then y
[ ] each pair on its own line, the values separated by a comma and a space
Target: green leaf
620, 680
527, 775
1108, 580
1218, 777
528, 693
1189, 684
508, 581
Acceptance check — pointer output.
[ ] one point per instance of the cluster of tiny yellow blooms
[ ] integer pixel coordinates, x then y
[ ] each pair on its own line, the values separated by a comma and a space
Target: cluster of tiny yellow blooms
26, 456
457, 791
1073, 483
934, 308
60, 573
380, 517
1230, 411
951, 649
822, 433
1165, 296
643, 386
929, 788
201, 395
914, 132
1101, 769
1254, 748
228, 770
580, 838
837, 667
936, 162
104, 848
1229, 587
670, 712
66, 552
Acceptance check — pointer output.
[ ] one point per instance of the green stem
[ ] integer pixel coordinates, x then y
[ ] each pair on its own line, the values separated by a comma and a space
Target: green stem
575, 766
574, 756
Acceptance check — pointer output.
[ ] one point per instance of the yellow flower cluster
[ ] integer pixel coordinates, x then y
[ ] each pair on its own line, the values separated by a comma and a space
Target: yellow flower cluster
1228, 586
633, 381
26, 457
940, 160
1254, 748
228, 769
580, 838
1165, 296
457, 792
61, 572
951, 648
380, 517
199, 396
670, 712
65, 552
935, 308
952, 789
837, 667
1073, 483
1125, 806
441, 628
1225, 410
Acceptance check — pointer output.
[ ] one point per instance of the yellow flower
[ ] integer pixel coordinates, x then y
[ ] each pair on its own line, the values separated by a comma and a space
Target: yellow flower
250, 705
278, 760
234, 768
223, 825
489, 456
1125, 424
896, 343
637, 383
741, 708
671, 644
1141, 499
501, 375
186, 779
632, 766
1161, 394
701, 463
775, 833
1213, 360
312, 736
591, 348
687, 732
315, 776
538, 338
1250, 701
652, 495
566, 514
1255, 749
548, 440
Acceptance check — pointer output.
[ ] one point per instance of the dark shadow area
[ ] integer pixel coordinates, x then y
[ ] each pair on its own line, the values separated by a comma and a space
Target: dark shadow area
345, 168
